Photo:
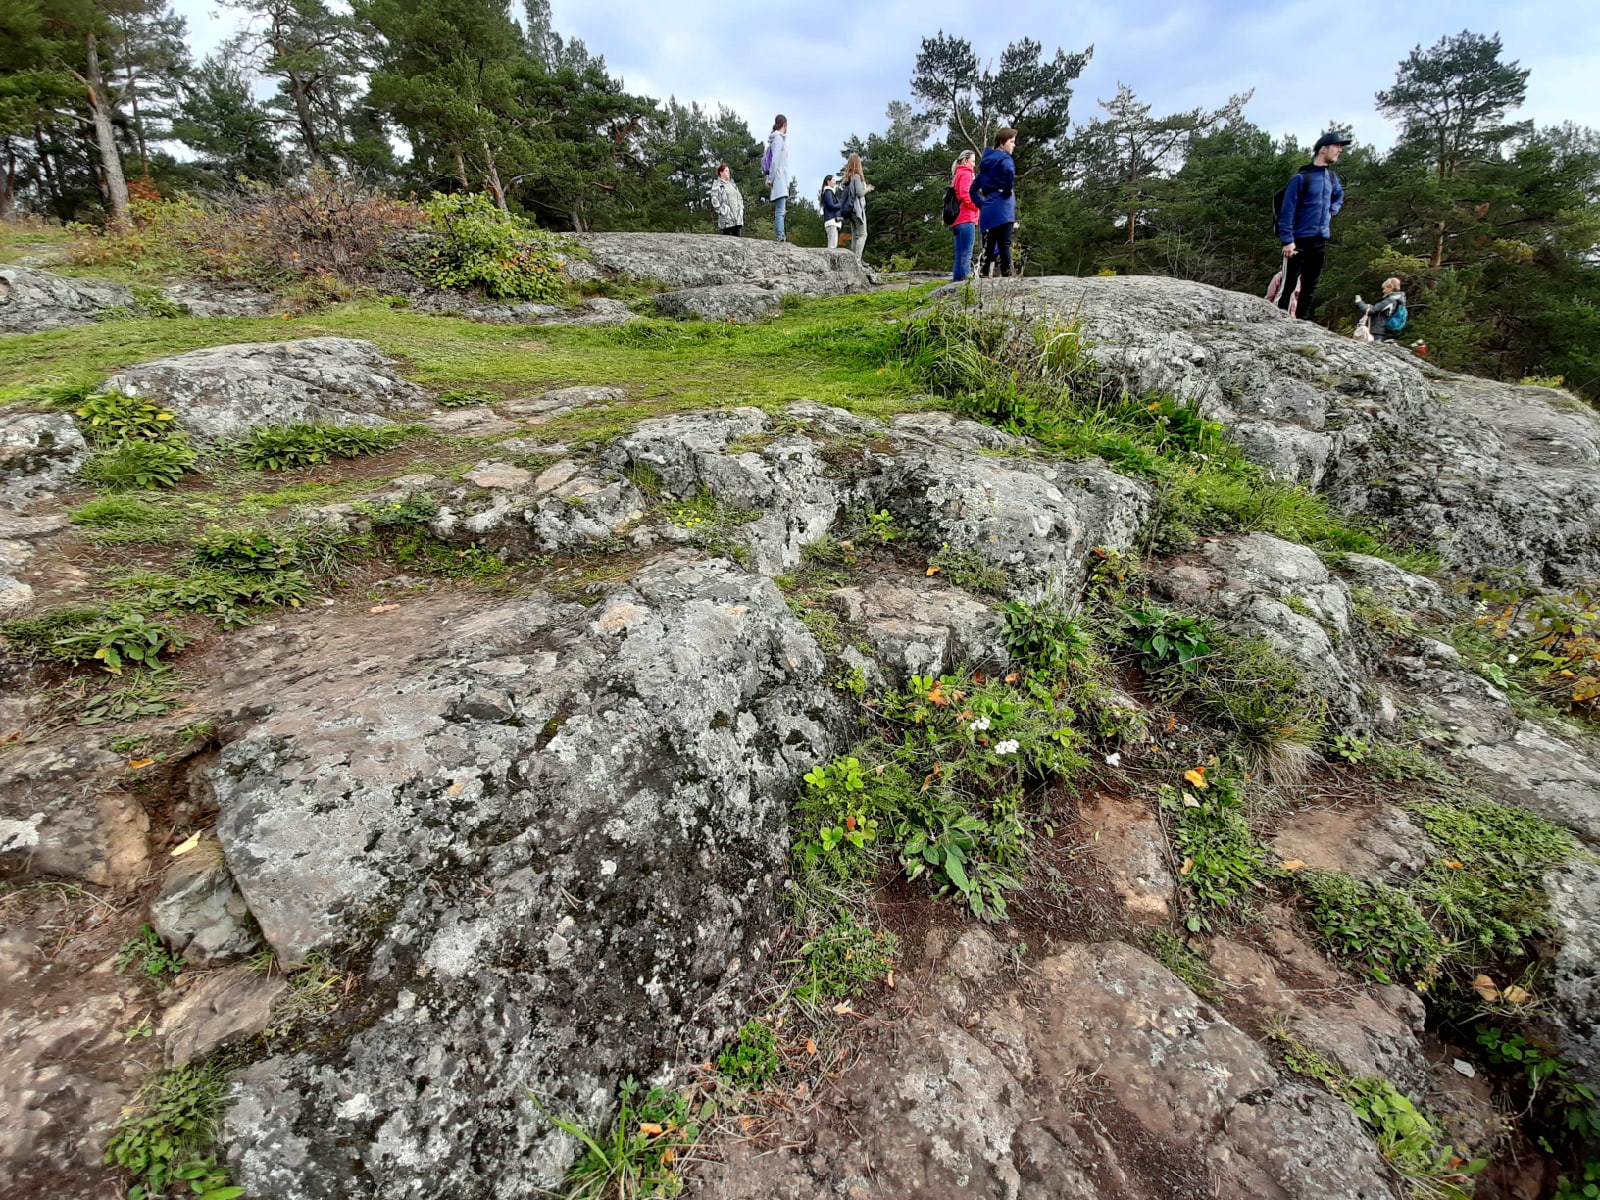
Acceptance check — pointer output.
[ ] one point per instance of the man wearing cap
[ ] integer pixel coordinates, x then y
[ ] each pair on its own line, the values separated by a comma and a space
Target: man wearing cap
1313, 196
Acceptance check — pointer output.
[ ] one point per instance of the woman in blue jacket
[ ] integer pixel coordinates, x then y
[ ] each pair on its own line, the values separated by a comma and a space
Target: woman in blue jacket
993, 191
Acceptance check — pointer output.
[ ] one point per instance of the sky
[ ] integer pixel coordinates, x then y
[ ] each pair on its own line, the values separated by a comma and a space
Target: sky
833, 69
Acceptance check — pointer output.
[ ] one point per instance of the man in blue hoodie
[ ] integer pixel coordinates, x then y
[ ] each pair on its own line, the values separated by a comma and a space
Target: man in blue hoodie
1305, 222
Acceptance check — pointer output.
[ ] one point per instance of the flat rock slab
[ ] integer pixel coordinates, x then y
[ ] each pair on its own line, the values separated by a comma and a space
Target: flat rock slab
742, 303
32, 300
226, 391
691, 260
918, 629
216, 1010
40, 452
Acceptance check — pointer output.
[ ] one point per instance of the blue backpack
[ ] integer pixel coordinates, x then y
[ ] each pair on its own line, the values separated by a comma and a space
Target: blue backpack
1397, 319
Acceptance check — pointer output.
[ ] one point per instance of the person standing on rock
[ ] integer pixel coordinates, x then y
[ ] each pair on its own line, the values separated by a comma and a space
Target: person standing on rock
993, 191
832, 206
1310, 201
775, 168
727, 202
965, 226
856, 188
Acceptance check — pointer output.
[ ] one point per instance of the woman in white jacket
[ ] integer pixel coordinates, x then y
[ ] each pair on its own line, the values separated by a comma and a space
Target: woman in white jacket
727, 202
776, 169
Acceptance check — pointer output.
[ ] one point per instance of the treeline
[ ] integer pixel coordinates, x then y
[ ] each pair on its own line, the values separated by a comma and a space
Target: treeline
1493, 224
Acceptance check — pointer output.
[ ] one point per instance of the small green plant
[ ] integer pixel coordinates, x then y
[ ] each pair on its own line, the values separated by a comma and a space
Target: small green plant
1167, 639
480, 246
970, 570
245, 550
1350, 748
124, 518
140, 465
1222, 861
1173, 953
151, 302
1044, 638
111, 417
1566, 1105
881, 527
148, 955
116, 641
166, 1141
290, 447
466, 398
641, 1154
145, 694
842, 958
753, 1057
1584, 1186
1376, 925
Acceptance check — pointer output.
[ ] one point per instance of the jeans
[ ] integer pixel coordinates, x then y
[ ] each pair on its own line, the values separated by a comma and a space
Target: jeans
858, 236
732, 230
832, 228
966, 233
779, 206
997, 248
1304, 268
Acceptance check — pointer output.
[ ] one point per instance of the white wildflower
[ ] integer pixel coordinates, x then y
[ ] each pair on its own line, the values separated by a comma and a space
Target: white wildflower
1511, 658
980, 725
1009, 746
1114, 759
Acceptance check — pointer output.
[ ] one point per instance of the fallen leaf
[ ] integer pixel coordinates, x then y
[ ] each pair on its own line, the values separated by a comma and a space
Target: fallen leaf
188, 844
456, 789
1188, 865
1516, 995
1294, 864
841, 1010
980, 678
811, 1047
1014, 676
669, 1155
1197, 776
649, 1127
1452, 864
935, 569
802, 1090
383, 608
1189, 801
1172, 722
135, 763
1486, 989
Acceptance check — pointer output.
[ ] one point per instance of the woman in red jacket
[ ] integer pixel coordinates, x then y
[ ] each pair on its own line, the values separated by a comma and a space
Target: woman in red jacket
966, 224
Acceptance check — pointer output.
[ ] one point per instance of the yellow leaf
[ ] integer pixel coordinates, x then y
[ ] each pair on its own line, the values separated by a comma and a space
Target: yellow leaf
649, 1127
1197, 776
1486, 989
802, 1090
1188, 865
935, 569
811, 1047
135, 763
383, 608
1516, 995
840, 1010
1294, 864
188, 844
669, 1155
1452, 864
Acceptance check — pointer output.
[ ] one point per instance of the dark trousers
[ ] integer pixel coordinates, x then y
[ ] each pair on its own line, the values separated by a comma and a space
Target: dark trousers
1304, 268
997, 248
732, 230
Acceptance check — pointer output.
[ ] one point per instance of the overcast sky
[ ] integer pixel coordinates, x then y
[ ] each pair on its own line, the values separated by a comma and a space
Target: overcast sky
833, 68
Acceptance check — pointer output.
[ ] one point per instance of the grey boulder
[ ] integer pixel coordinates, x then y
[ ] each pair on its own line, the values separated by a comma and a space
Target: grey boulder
32, 300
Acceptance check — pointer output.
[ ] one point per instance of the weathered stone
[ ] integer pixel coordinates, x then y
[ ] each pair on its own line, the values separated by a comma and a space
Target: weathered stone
63, 812
1380, 844
217, 300
600, 310
216, 1010
688, 260
199, 912
32, 300
561, 400
498, 475
1128, 844
39, 454
738, 302
226, 391
555, 832
1574, 892
1395, 587
924, 630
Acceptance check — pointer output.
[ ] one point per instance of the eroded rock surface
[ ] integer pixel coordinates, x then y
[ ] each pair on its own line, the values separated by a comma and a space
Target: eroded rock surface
688, 260
33, 300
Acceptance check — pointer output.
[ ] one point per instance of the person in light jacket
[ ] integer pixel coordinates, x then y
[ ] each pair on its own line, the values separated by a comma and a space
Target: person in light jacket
832, 206
966, 224
727, 202
778, 170
994, 189
856, 188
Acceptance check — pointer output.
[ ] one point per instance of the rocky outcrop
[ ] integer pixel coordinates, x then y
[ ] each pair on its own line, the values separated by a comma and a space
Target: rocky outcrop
64, 811
39, 453
1491, 474
692, 260
739, 302
226, 391
555, 834
32, 300
600, 310
199, 912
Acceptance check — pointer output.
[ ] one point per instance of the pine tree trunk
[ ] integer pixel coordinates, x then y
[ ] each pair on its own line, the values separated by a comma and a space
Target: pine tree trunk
494, 178
8, 175
105, 137
302, 109
461, 171
138, 125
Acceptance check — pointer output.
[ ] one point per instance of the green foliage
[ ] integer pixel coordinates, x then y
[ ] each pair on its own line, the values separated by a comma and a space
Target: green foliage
1044, 638
968, 569
144, 694
1166, 639
112, 638
1350, 748
166, 1141
245, 550
225, 596
1580, 1187
632, 1159
465, 398
1376, 925
123, 517
842, 958
140, 465
479, 246
1551, 1081
752, 1060
148, 955
1222, 861
710, 524
1411, 1143
111, 417
881, 527
289, 447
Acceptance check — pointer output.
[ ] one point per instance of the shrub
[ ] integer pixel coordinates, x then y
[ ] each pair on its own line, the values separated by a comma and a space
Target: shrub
1374, 924
289, 447
1166, 639
166, 1139
245, 550
1044, 638
752, 1059
479, 246
841, 959
117, 641
111, 417
139, 465
225, 596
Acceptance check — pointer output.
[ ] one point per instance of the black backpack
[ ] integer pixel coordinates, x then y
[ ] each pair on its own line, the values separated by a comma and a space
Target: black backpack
952, 205
1278, 196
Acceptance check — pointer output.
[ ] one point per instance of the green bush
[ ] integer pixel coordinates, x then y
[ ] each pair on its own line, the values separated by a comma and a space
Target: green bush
140, 465
245, 550
225, 596
111, 417
167, 1139
1166, 639
1222, 861
479, 246
752, 1059
1374, 924
82, 635
289, 447
1044, 638
841, 959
